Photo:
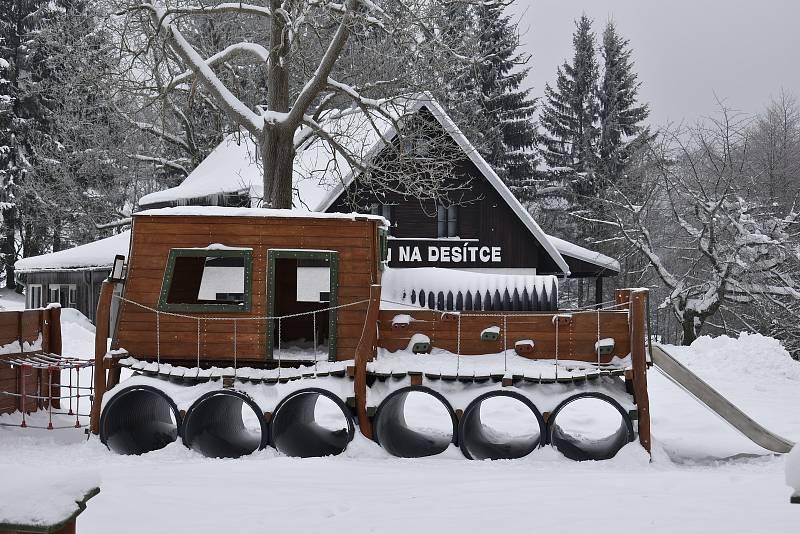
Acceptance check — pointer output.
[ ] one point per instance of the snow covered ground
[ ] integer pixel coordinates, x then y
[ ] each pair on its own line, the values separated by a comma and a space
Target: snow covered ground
696, 482
11, 300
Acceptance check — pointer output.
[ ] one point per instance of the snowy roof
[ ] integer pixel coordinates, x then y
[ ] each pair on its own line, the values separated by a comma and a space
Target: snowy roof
584, 254
235, 166
321, 175
96, 255
223, 211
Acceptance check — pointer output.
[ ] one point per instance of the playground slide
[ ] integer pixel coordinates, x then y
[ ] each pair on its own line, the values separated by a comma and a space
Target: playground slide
691, 383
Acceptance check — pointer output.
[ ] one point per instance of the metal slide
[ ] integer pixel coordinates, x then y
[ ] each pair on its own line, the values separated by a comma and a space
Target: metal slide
691, 383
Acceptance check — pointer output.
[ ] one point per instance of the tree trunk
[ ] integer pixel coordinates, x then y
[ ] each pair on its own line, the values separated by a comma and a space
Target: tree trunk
9, 245
689, 333
277, 145
278, 151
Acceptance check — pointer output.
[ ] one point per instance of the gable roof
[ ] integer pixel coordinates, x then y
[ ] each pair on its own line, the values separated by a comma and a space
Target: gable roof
321, 175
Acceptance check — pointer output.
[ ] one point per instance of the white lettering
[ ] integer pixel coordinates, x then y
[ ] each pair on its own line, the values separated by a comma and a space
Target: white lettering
496, 254
433, 254
444, 254
456, 254
405, 253
484, 254
415, 255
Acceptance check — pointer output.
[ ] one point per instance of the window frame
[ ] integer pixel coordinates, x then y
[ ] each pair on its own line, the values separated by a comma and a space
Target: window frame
30, 296
166, 282
445, 216
332, 258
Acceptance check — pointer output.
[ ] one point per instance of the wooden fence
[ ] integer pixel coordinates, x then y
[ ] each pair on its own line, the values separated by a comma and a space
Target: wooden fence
23, 333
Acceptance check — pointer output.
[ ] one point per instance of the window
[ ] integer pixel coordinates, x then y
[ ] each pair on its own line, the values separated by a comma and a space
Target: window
446, 221
72, 302
207, 280
54, 295
302, 288
34, 295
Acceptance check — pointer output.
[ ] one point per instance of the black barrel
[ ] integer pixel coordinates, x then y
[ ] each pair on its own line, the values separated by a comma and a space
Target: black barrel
479, 442
393, 433
214, 425
139, 419
577, 447
295, 431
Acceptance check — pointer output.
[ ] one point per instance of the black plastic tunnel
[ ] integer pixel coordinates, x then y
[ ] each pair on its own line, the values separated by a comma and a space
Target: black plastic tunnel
575, 446
393, 433
215, 425
139, 419
480, 442
295, 431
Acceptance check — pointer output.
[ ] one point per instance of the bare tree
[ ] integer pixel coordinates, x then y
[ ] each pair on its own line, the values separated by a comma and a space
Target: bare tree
693, 210
297, 63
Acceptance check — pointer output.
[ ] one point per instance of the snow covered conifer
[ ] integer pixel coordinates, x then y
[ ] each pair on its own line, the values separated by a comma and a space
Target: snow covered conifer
509, 110
621, 116
569, 115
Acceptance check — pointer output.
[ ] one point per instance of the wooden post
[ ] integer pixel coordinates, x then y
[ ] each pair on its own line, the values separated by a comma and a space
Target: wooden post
102, 324
622, 298
638, 318
53, 315
364, 352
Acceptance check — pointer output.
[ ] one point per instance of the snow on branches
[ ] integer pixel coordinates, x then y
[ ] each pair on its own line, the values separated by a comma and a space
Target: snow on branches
692, 207
292, 48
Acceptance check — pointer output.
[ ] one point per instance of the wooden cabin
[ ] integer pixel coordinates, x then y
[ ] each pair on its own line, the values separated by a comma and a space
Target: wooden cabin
479, 212
187, 263
70, 277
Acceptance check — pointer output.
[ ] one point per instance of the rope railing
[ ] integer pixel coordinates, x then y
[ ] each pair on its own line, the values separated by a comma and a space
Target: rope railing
607, 306
278, 332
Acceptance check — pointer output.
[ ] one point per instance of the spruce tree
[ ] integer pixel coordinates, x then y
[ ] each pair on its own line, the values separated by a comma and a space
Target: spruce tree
509, 110
621, 116
24, 124
571, 110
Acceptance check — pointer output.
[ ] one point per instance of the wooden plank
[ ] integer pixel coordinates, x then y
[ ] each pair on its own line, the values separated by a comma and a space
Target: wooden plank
638, 332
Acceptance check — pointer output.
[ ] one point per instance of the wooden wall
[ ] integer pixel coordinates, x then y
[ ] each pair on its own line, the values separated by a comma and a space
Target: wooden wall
25, 326
87, 283
154, 236
576, 336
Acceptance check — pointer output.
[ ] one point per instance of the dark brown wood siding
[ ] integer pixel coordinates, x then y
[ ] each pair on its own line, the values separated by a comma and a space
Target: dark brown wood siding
482, 214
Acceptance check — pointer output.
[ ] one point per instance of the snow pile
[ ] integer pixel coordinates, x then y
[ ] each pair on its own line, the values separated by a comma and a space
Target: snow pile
11, 300
757, 356
397, 284
753, 371
98, 254
77, 334
793, 470
42, 497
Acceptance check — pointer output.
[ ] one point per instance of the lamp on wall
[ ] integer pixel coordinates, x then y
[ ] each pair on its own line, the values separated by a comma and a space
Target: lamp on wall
117, 272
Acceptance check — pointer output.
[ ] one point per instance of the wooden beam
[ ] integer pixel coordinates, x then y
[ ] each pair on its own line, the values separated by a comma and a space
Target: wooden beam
638, 317
364, 352
102, 325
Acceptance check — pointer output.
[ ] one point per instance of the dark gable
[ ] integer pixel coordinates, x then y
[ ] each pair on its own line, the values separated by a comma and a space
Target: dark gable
490, 234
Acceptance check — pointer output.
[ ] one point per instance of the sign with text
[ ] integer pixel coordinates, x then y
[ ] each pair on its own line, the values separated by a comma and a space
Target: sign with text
443, 253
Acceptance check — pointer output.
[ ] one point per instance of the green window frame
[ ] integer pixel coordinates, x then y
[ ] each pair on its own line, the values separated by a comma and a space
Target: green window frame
176, 253
332, 257
383, 247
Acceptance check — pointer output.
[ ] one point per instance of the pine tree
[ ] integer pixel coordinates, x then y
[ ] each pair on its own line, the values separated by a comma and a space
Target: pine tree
24, 125
621, 116
571, 110
509, 110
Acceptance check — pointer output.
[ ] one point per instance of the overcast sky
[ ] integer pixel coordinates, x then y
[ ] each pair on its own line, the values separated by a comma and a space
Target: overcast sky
685, 50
